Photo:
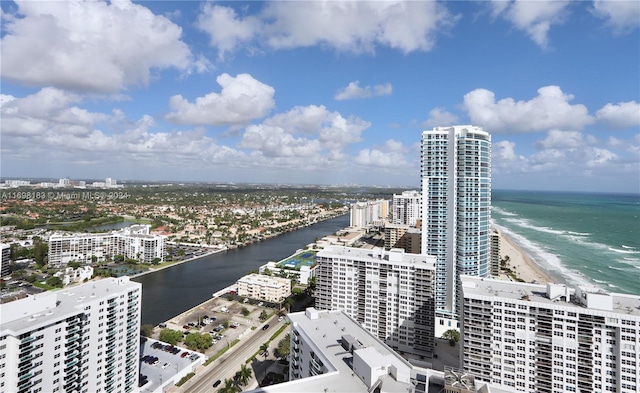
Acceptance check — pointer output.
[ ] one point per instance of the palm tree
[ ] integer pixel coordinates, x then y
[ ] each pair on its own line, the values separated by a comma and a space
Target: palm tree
245, 375
229, 387
264, 349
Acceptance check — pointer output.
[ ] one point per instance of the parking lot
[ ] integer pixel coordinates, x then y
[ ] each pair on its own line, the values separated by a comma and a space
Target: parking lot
160, 365
222, 318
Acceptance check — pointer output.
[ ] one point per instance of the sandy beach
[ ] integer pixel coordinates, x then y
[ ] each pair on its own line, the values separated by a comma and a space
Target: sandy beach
520, 263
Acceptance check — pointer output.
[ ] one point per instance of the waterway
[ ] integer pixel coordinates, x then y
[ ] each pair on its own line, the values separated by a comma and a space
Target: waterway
169, 292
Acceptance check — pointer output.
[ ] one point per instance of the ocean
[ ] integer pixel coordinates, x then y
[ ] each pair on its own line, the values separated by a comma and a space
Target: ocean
578, 238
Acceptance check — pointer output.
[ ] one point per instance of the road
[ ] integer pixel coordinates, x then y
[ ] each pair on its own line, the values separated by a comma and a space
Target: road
227, 366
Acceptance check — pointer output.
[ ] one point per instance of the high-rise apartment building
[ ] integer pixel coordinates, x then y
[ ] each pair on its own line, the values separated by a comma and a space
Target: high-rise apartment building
495, 253
5, 262
84, 339
389, 292
456, 203
135, 242
550, 338
406, 208
364, 214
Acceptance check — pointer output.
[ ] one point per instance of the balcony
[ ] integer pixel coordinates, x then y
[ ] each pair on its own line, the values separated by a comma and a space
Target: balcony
27, 339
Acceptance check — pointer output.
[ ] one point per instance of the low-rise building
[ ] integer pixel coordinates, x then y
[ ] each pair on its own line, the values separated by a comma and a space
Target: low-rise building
267, 288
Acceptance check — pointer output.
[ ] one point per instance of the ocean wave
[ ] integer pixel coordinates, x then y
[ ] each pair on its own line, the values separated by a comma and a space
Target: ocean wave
501, 211
623, 251
616, 268
524, 223
627, 247
551, 263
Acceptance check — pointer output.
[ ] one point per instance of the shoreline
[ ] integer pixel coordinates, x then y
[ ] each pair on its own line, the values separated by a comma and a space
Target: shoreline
152, 270
157, 269
521, 263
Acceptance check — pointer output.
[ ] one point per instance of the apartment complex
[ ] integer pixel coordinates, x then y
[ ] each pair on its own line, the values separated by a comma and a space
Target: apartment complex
267, 288
331, 352
495, 253
5, 262
406, 208
133, 242
365, 214
550, 338
456, 204
84, 339
389, 292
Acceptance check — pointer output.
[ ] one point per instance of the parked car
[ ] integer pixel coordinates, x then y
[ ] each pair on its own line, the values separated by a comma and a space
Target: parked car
184, 354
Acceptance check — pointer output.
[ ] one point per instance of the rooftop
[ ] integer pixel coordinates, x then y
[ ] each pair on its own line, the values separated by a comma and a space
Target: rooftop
40, 309
592, 298
377, 254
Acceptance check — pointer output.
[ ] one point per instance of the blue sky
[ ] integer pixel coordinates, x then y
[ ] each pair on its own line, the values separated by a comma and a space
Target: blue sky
320, 92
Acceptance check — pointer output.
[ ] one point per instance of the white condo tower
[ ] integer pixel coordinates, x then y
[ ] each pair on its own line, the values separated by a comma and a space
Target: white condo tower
456, 210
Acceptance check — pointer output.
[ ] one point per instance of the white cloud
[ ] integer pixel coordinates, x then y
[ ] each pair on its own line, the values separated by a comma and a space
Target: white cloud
533, 17
440, 117
391, 157
354, 91
47, 110
621, 115
561, 139
226, 31
333, 130
275, 142
242, 99
89, 46
549, 110
349, 26
622, 16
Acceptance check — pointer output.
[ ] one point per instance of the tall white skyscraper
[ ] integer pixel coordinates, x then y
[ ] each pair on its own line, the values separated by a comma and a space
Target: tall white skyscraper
456, 209
82, 339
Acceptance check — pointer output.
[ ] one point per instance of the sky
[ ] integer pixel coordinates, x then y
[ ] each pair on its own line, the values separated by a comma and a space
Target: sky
319, 92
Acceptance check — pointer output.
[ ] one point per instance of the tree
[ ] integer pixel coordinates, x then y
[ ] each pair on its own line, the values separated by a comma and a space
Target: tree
283, 348
229, 387
288, 302
245, 311
452, 335
263, 315
264, 349
146, 330
244, 375
74, 264
198, 341
170, 336
55, 282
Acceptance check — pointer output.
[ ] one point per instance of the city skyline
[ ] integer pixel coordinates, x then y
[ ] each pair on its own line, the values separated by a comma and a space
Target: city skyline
245, 92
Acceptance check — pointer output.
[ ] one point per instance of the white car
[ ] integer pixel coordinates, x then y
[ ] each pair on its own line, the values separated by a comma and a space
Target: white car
280, 319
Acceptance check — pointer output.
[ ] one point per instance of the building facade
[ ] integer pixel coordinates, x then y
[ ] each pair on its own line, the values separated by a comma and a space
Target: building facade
5, 262
84, 339
389, 292
548, 339
134, 242
407, 208
267, 288
456, 210
495, 253
365, 214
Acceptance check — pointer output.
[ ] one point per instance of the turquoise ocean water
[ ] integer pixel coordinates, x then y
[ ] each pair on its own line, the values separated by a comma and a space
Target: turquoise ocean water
579, 238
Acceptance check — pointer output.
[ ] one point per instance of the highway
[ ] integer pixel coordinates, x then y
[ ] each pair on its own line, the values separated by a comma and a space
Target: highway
230, 363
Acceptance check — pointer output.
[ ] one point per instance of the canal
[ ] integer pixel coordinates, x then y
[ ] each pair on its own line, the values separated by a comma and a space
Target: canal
169, 292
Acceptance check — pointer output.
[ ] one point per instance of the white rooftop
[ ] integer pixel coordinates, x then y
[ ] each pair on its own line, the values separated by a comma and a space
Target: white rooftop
592, 298
43, 308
